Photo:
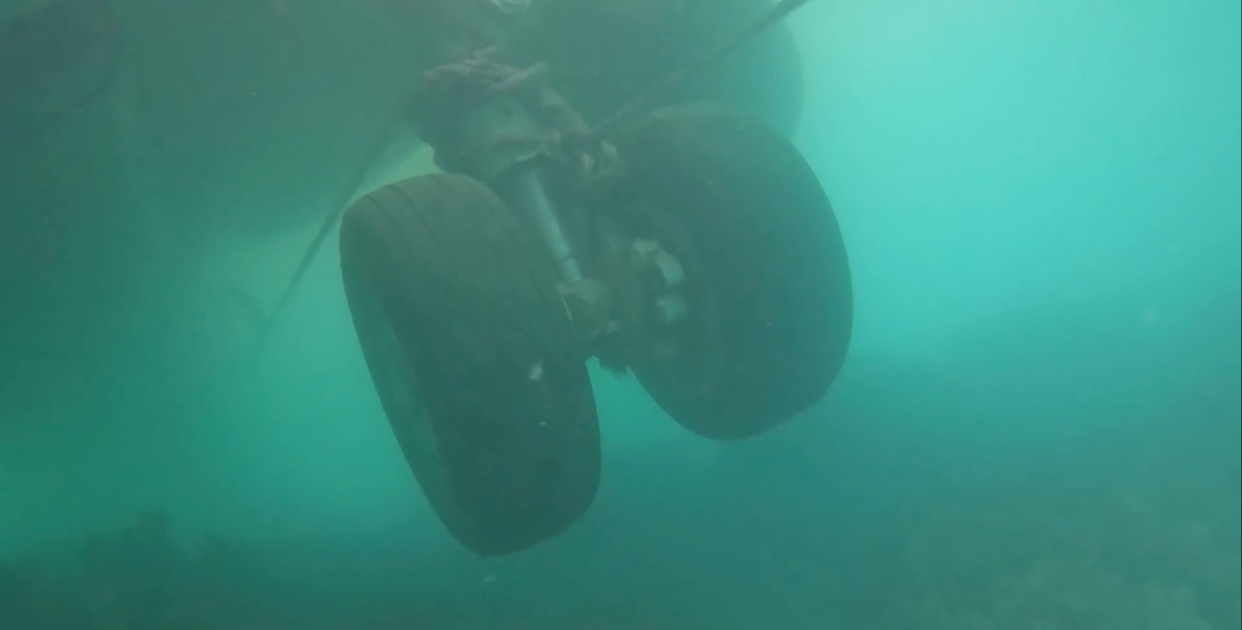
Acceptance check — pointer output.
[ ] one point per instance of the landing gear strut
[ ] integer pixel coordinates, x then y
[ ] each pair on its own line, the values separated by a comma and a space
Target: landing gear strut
510, 130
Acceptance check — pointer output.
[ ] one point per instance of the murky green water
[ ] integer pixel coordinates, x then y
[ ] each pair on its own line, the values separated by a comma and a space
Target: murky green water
1037, 426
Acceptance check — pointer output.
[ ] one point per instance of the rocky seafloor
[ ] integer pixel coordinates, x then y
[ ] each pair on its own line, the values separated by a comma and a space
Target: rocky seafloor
1019, 486
1057, 550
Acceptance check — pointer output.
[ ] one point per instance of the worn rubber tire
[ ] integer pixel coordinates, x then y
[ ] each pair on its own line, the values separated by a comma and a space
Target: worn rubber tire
770, 290
473, 357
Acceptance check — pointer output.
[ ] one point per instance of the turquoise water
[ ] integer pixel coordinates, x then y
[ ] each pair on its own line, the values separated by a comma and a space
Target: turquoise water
1037, 427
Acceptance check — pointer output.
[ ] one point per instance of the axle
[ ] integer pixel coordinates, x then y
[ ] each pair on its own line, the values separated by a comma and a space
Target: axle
510, 130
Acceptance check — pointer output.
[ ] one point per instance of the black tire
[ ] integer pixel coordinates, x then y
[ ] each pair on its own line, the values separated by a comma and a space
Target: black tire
769, 280
473, 357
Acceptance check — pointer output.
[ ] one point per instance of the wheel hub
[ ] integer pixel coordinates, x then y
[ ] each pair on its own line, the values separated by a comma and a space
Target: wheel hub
508, 128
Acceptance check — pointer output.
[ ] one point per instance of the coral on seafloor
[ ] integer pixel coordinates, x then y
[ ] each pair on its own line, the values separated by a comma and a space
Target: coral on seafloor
134, 579
1118, 565
1085, 556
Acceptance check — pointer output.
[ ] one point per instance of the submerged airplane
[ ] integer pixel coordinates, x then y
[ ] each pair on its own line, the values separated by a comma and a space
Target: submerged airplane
689, 244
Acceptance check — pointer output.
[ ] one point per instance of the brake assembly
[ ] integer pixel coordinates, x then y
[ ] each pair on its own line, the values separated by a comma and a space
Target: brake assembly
508, 128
